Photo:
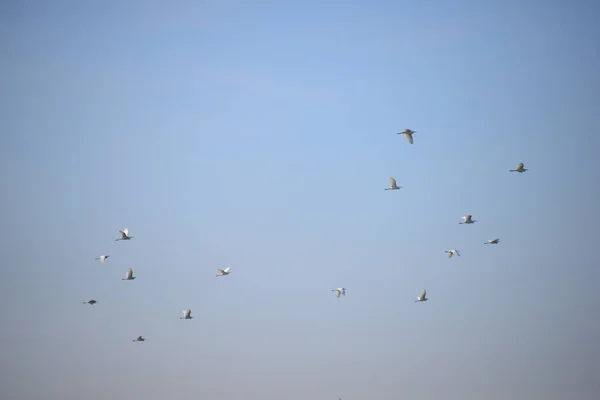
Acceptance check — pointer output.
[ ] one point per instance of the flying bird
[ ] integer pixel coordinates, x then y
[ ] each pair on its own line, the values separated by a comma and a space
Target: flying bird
339, 291
452, 252
129, 275
492, 241
468, 219
223, 272
124, 235
422, 297
520, 168
186, 314
92, 302
393, 185
408, 134
103, 258
139, 339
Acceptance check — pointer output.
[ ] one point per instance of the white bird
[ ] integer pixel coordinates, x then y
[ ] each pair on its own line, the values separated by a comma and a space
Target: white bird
103, 258
223, 272
339, 291
520, 168
186, 314
492, 241
139, 339
393, 185
408, 134
422, 297
129, 275
468, 219
92, 302
452, 252
124, 235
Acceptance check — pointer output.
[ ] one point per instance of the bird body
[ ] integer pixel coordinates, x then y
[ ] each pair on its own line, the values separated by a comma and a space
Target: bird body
468, 219
452, 252
124, 235
408, 134
339, 291
422, 297
520, 168
103, 258
92, 302
186, 314
393, 185
129, 275
493, 241
223, 272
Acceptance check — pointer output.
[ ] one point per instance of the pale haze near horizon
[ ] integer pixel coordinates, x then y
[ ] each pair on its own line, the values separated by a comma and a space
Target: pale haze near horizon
260, 135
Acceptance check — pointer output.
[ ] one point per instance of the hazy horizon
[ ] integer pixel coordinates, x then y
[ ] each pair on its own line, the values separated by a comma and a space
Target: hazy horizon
261, 135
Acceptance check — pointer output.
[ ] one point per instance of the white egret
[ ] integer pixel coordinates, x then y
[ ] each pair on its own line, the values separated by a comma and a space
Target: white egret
408, 134
493, 241
393, 185
468, 219
186, 314
422, 297
103, 258
520, 168
452, 252
129, 275
124, 235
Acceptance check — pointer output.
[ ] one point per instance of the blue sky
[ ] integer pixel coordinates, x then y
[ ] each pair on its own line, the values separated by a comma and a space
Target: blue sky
260, 135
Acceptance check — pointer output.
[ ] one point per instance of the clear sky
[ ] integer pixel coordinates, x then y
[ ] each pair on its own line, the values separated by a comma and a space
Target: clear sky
260, 135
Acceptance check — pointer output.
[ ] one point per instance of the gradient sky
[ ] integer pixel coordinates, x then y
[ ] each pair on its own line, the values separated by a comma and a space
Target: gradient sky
260, 135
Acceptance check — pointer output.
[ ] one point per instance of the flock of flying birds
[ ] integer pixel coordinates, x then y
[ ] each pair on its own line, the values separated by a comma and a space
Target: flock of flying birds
187, 313
467, 219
